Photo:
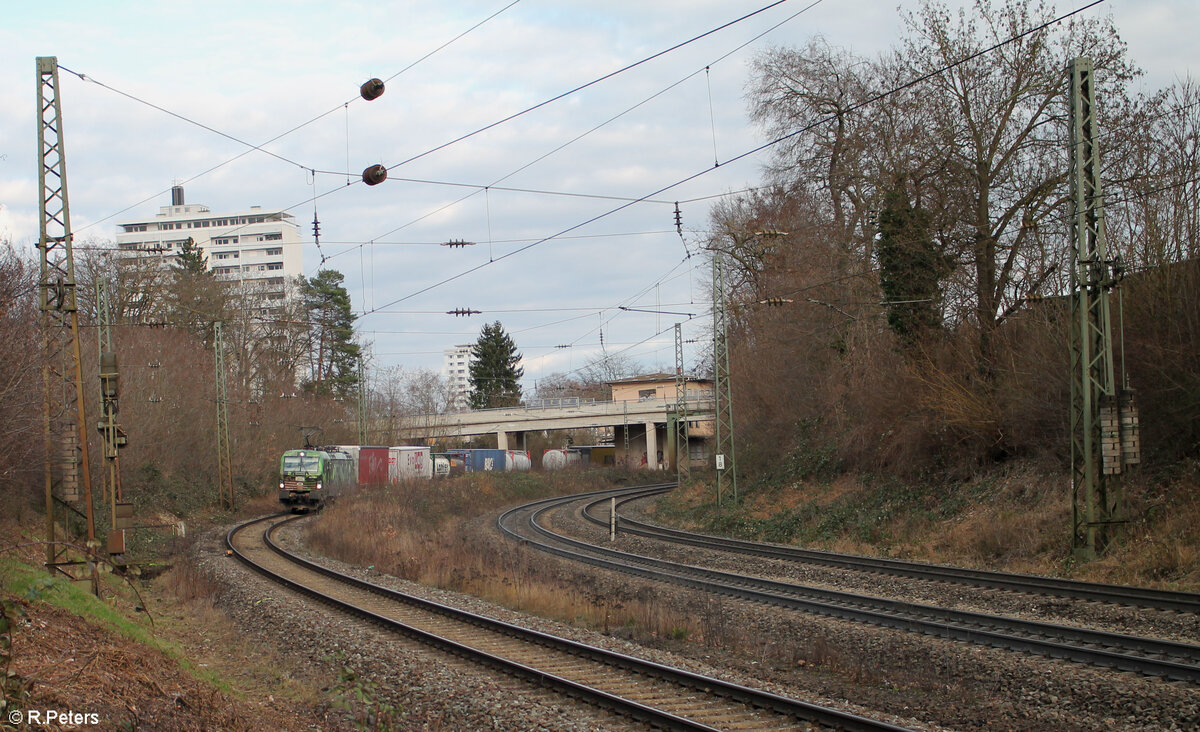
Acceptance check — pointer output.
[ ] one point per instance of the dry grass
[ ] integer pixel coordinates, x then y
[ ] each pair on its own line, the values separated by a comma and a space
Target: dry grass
186, 582
424, 533
1013, 519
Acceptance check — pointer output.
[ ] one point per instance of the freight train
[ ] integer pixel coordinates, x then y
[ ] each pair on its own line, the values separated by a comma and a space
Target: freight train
309, 478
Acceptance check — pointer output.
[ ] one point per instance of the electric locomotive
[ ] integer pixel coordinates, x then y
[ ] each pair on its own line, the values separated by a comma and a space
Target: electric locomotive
308, 478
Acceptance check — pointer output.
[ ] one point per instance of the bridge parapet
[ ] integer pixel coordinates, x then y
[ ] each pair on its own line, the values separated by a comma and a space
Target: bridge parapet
581, 415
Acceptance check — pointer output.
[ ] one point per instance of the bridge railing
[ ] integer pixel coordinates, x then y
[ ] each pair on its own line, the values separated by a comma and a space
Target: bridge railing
558, 402
696, 400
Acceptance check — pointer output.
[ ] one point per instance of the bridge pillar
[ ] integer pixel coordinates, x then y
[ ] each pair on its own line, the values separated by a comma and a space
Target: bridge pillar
501, 440
671, 451
651, 446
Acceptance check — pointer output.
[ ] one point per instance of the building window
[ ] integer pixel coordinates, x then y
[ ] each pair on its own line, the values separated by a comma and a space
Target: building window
275, 251
275, 265
273, 237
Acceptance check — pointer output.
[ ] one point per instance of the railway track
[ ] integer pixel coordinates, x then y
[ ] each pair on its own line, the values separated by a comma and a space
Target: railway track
1187, 602
658, 695
1174, 661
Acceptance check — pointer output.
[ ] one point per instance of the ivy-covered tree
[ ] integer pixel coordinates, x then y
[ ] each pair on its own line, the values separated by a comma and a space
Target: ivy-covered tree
494, 370
333, 353
911, 266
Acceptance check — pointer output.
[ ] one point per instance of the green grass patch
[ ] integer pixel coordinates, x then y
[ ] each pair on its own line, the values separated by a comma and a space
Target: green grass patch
35, 585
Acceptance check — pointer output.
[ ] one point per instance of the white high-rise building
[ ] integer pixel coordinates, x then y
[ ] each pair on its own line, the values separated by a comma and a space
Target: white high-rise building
257, 247
456, 369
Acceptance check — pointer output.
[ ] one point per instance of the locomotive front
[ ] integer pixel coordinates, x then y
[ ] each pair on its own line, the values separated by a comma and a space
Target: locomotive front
302, 477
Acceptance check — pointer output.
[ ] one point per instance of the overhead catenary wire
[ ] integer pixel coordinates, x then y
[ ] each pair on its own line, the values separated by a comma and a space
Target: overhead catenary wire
559, 148
377, 310
589, 84
261, 146
823, 120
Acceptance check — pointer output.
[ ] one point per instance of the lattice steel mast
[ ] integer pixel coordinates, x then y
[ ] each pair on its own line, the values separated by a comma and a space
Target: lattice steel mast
726, 463
1098, 421
224, 466
682, 467
362, 403
67, 471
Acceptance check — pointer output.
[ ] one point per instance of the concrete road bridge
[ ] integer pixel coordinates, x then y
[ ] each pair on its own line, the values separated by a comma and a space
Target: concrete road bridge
645, 421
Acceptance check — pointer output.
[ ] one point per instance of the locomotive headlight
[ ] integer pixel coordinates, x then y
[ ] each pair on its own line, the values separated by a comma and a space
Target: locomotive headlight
281, 485
318, 485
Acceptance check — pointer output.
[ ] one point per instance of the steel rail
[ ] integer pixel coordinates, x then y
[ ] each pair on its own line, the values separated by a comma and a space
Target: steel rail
976, 628
659, 718
1188, 602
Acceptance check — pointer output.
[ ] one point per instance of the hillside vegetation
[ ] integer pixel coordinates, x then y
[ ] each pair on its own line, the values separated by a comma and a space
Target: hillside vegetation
898, 295
1015, 518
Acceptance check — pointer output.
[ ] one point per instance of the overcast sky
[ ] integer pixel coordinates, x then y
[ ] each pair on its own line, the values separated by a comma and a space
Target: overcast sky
256, 70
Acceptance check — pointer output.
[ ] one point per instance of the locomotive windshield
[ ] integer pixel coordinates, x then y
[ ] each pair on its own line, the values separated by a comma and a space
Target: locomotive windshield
310, 464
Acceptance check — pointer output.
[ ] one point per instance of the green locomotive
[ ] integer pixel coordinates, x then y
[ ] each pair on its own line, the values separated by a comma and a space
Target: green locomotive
308, 478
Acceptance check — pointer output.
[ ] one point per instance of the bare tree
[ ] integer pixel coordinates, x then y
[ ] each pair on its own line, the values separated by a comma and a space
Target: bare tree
998, 120
20, 372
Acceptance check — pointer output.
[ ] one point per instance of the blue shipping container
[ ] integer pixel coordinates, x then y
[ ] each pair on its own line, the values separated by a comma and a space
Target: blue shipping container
482, 460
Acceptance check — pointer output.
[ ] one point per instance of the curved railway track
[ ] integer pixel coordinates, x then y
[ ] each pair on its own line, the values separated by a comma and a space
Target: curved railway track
1174, 661
658, 695
1187, 602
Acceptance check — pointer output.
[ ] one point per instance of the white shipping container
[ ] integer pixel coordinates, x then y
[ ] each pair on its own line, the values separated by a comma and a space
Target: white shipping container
558, 459
516, 460
408, 463
554, 459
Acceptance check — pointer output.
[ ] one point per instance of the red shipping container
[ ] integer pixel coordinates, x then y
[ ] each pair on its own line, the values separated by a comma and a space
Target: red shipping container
372, 465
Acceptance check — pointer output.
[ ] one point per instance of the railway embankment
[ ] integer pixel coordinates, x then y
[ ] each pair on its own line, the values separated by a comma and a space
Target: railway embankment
155, 652
1013, 518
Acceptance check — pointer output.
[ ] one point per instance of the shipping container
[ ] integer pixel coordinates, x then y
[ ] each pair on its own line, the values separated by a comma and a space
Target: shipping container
561, 458
485, 460
407, 462
517, 461
459, 460
597, 454
371, 463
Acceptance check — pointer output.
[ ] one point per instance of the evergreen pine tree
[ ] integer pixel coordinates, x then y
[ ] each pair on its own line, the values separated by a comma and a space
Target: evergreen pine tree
494, 370
191, 259
333, 354
196, 299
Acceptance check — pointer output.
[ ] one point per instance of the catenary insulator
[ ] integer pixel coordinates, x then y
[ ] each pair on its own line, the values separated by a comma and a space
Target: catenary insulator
374, 175
372, 89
